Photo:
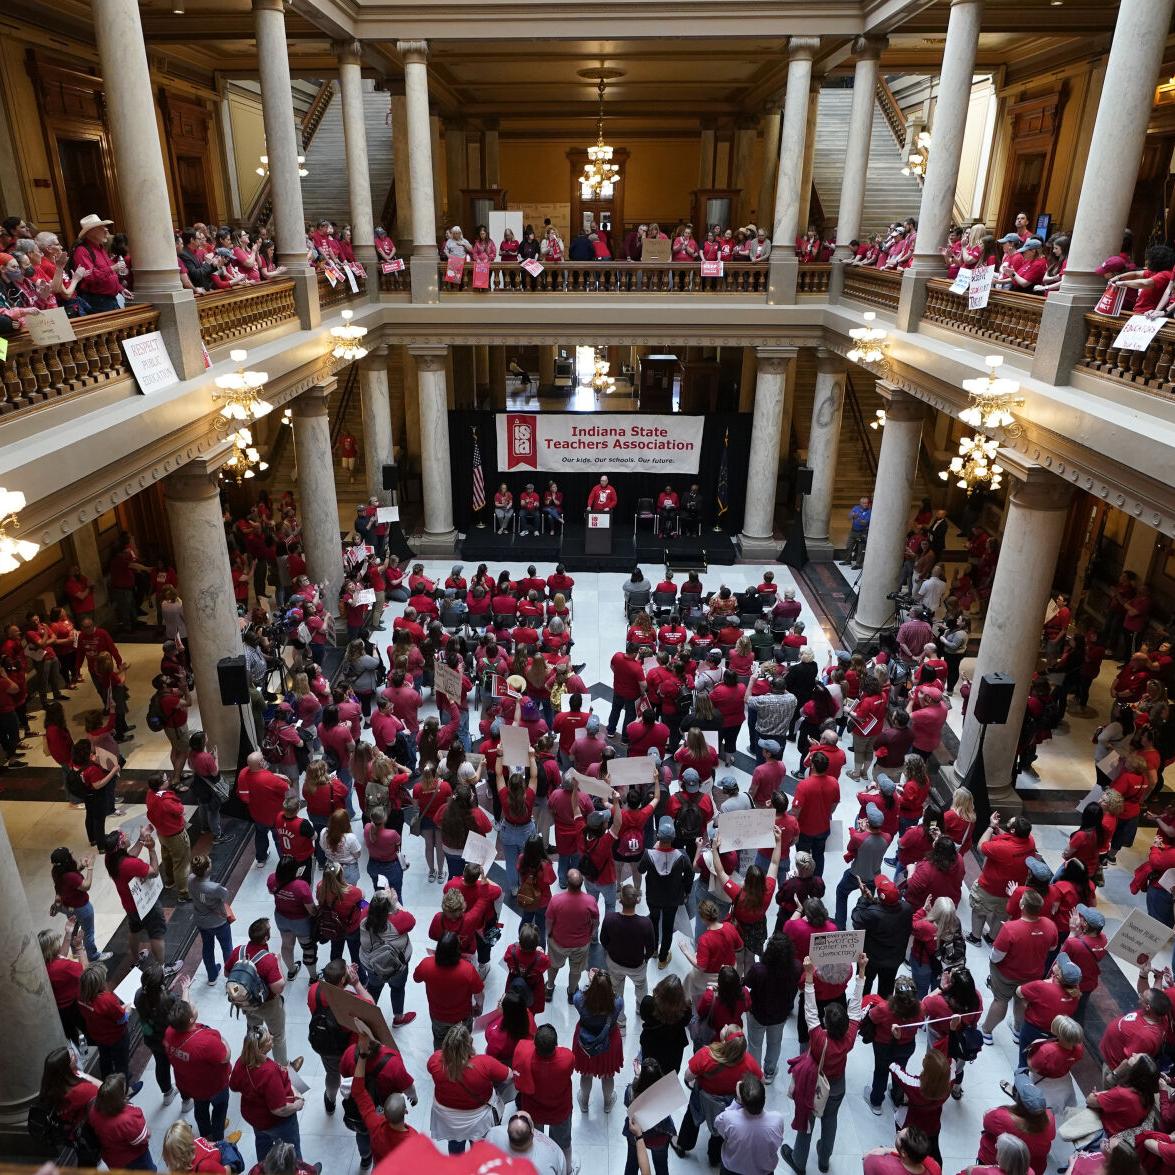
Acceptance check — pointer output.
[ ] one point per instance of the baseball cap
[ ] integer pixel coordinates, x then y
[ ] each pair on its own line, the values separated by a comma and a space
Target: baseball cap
1039, 870
665, 829
1094, 918
729, 784
530, 708
1028, 1093
769, 745
714, 655
691, 780
1009, 239
593, 725
886, 890
1031, 243
597, 820
887, 785
1070, 972
874, 815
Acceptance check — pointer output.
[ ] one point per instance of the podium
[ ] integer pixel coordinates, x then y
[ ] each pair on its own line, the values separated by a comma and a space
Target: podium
597, 539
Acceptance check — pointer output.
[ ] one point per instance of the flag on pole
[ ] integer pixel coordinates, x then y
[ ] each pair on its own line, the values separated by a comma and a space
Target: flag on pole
479, 479
724, 478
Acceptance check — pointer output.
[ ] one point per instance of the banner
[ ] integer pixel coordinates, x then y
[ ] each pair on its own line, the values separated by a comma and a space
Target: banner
454, 269
1138, 333
393, 266
566, 443
145, 891
1110, 303
712, 269
481, 275
979, 291
839, 946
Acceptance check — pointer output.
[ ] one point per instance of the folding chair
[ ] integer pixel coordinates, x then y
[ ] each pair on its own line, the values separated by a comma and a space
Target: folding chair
644, 513
664, 603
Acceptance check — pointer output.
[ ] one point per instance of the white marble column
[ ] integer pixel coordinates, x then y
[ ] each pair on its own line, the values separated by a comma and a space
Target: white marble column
771, 389
350, 58
282, 147
138, 159
804, 215
1107, 188
456, 170
375, 400
1037, 511
204, 570
942, 172
893, 487
852, 186
318, 503
765, 207
424, 225
32, 1027
823, 445
785, 226
435, 459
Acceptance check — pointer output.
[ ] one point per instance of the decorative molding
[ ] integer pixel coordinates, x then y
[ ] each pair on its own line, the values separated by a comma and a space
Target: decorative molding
413, 52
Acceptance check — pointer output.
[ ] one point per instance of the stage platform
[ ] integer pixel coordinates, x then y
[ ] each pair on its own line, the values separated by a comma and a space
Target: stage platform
682, 554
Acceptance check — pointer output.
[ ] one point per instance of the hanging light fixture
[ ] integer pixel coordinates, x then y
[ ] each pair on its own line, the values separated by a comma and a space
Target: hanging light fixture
919, 159
263, 170
992, 400
239, 391
347, 339
245, 461
879, 421
975, 465
869, 342
13, 551
600, 174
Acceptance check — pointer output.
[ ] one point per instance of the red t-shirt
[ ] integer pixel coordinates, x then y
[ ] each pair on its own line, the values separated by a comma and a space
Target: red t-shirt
450, 990
199, 1057
1026, 945
70, 892
128, 868
166, 811
627, 675
105, 1018
263, 959
566, 724
1121, 1108
65, 976
721, 1079
600, 852
122, 1137
816, 799
1050, 1058
262, 1090
1148, 296
1044, 1000
544, 1083
717, 947
1132, 1033
744, 912
1000, 1121
1003, 862
476, 1086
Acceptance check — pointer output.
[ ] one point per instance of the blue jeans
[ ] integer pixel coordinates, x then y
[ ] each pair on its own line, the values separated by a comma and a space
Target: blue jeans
539, 919
210, 810
514, 836
261, 836
208, 939
1028, 1033
773, 1035
143, 1163
607, 892
815, 846
923, 974
211, 1115
396, 986
566, 863
85, 923
847, 886
393, 871
318, 824
285, 1131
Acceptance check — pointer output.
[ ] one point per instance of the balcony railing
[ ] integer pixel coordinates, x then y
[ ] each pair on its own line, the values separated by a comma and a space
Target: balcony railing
394, 283
813, 279
329, 295
32, 375
606, 277
1150, 369
233, 314
877, 287
1010, 319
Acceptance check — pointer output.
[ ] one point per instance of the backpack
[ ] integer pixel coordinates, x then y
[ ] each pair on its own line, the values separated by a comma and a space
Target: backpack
386, 960
327, 1037
529, 892
631, 845
352, 1118
244, 986
155, 717
952, 953
518, 982
587, 863
330, 925
75, 785
688, 823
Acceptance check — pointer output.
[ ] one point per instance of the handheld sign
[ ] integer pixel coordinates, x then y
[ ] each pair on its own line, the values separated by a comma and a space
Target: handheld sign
515, 744
1138, 939
1138, 333
146, 892
594, 787
660, 1101
836, 946
479, 850
634, 772
753, 829
348, 1008
447, 681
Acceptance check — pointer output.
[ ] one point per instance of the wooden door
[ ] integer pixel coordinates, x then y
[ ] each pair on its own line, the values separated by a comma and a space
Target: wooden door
1035, 123
84, 179
193, 190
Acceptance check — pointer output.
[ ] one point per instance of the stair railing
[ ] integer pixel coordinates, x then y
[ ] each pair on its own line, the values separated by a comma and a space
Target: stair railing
864, 433
894, 118
350, 383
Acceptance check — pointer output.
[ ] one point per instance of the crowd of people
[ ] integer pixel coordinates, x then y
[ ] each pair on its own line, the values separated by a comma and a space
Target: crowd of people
348, 770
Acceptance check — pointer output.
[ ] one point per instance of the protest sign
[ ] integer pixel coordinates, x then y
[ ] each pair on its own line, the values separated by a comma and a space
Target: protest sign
594, 787
387, 514
962, 282
515, 744
479, 850
146, 892
836, 946
1138, 939
447, 681
979, 291
661, 1100
348, 1008
630, 772
753, 829
1138, 333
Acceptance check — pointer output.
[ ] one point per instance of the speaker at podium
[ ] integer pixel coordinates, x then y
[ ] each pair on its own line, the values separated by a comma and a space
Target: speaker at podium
597, 539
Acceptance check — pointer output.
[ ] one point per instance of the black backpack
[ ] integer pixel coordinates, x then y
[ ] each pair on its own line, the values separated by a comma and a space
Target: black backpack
327, 1037
688, 824
518, 982
155, 719
75, 785
587, 865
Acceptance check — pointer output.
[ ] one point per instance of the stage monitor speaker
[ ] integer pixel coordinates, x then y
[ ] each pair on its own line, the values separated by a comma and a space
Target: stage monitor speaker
391, 477
803, 480
233, 680
993, 700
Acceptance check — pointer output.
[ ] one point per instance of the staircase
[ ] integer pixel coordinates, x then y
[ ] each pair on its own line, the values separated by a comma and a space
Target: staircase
889, 195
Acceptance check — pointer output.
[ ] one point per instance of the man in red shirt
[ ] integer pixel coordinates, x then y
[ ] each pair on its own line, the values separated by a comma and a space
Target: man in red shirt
567, 722
93, 640
263, 792
647, 731
272, 1011
1018, 955
817, 796
573, 918
768, 777
1086, 946
165, 810
202, 1064
1005, 861
124, 866
385, 1131
1137, 1032
628, 683
544, 1071
602, 498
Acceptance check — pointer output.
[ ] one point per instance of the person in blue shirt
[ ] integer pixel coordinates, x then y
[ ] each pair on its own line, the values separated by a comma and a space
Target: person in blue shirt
859, 521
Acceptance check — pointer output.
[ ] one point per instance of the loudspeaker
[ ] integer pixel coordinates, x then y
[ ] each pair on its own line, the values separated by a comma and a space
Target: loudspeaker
233, 681
803, 480
993, 700
391, 477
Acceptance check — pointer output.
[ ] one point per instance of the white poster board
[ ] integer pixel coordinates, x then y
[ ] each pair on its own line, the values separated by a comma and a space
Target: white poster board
1138, 939
515, 744
631, 772
661, 1100
479, 850
149, 362
711, 737
749, 829
1137, 333
146, 892
533, 266
365, 596
836, 946
49, 326
980, 289
594, 787
387, 514
351, 280
448, 682
601, 521
962, 282
500, 221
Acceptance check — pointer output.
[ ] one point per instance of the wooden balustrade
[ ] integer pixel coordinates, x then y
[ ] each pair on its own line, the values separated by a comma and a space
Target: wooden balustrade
398, 282
1010, 319
605, 277
1150, 369
813, 279
233, 314
32, 375
877, 287
329, 295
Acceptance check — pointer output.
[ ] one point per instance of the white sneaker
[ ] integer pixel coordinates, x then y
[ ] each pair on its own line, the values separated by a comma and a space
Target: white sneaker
186, 1105
170, 1096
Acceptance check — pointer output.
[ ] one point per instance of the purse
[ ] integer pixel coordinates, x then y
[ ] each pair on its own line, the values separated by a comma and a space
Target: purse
823, 1086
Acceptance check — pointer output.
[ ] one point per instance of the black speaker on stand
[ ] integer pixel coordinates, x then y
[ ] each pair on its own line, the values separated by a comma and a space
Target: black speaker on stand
397, 543
233, 680
991, 704
795, 547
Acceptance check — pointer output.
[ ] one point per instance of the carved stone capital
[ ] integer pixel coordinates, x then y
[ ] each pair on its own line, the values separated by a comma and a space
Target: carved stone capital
802, 48
869, 48
899, 404
269, 6
774, 360
198, 480
314, 400
413, 52
429, 358
347, 52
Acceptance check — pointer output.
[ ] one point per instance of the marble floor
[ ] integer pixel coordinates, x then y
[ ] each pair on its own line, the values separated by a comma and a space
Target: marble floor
598, 630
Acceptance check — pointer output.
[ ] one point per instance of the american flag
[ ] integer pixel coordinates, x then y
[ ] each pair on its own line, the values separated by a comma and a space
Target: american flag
479, 479
724, 477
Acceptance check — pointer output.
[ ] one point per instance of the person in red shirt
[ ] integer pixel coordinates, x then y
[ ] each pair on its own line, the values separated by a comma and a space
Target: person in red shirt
263, 792
716, 1069
382, 1132
79, 591
816, 798
201, 1060
544, 1070
348, 449
528, 512
452, 986
123, 865
628, 684
124, 1141
601, 499
1005, 856
1018, 955
1027, 1118
165, 810
463, 1084
646, 733
1152, 281
1043, 1000
268, 1101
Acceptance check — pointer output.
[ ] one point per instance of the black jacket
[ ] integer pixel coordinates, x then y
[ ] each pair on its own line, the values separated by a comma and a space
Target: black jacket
581, 249
668, 877
887, 930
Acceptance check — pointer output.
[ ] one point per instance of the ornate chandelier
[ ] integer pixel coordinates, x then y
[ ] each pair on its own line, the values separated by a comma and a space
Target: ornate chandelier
240, 391
920, 157
347, 339
13, 550
878, 422
992, 400
869, 342
600, 174
975, 465
245, 461
263, 170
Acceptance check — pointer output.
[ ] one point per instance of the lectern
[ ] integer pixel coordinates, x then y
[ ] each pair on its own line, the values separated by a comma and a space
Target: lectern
598, 539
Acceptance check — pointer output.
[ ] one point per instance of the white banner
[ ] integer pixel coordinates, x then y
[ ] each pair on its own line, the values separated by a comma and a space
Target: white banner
979, 291
1138, 333
567, 443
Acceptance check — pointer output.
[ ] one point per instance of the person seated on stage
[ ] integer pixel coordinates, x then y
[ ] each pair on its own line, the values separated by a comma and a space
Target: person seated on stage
691, 506
602, 498
528, 507
553, 504
503, 509
667, 585
668, 504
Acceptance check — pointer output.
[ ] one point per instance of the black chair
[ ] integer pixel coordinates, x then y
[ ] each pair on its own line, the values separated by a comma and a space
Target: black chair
644, 513
749, 619
505, 620
789, 654
664, 603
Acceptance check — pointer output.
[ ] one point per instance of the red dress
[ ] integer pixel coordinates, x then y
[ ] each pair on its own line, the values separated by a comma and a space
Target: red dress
604, 1064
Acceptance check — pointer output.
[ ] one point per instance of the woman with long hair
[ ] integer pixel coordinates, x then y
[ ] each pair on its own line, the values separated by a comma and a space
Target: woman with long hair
772, 984
514, 1022
359, 672
695, 752
385, 951
110, 682
293, 913
516, 795
535, 875
184, 1150
893, 1026
69, 1094
462, 815
341, 846
466, 1105
938, 935
341, 906
713, 1075
153, 1003
106, 1018
655, 1138
124, 1140
431, 796
65, 976
57, 742
268, 1101
72, 880
958, 821
751, 900
598, 1046
924, 1096
665, 1017
952, 1012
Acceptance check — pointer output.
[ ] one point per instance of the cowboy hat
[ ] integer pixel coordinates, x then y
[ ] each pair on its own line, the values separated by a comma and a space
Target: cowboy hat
91, 222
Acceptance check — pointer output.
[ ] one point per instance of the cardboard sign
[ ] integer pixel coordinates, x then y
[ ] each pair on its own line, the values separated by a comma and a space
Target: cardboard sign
661, 1100
1138, 939
481, 275
396, 265
366, 596
454, 270
710, 268
351, 280
447, 681
146, 892
1110, 303
753, 829
962, 282
979, 291
1138, 333
711, 737
479, 850
595, 787
633, 772
655, 250
50, 326
515, 744
533, 266
348, 1008
836, 946
387, 514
